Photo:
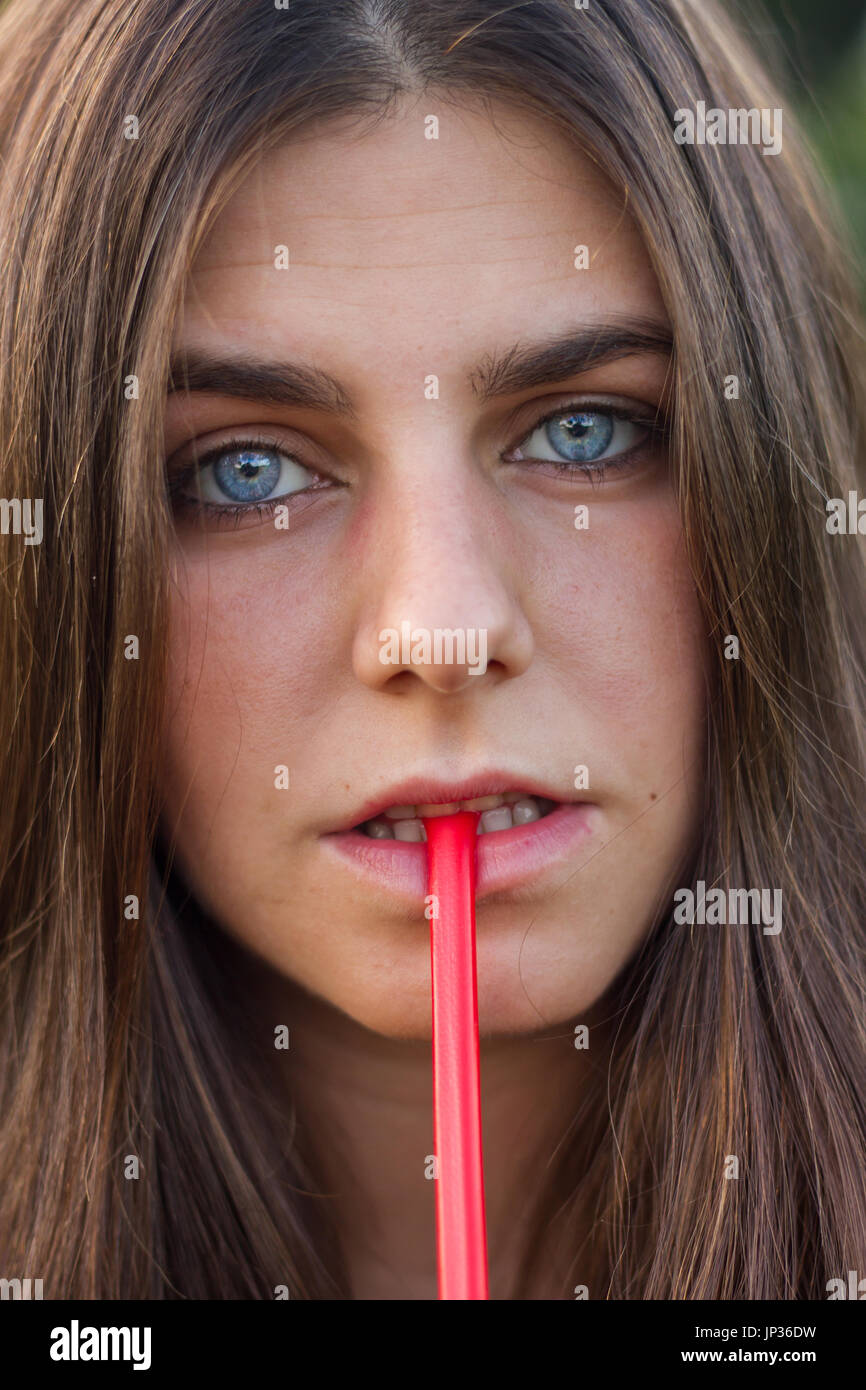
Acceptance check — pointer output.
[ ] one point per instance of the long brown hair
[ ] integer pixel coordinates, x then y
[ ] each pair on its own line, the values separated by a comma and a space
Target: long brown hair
120, 1036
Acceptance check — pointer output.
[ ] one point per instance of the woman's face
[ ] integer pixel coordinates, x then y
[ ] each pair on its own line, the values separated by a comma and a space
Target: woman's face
415, 609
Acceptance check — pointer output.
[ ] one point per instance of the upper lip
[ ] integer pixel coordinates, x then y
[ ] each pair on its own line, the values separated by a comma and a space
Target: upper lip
423, 791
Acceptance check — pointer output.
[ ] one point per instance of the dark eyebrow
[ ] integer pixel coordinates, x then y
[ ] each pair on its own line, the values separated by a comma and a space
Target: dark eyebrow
251, 379
519, 369
568, 354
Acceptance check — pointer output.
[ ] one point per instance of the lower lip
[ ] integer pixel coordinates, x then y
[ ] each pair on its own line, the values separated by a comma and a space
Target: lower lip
506, 858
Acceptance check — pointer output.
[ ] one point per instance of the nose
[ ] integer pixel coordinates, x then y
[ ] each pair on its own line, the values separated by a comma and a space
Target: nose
440, 582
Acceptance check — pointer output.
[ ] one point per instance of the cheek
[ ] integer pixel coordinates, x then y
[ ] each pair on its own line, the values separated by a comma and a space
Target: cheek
629, 651
245, 655
247, 666
622, 622
624, 640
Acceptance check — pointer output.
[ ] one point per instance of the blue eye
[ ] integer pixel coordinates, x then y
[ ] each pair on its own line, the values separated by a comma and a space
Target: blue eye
250, 474
583, 435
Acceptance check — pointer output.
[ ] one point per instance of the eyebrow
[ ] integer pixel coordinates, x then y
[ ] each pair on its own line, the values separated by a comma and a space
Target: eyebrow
520, 368
568, 354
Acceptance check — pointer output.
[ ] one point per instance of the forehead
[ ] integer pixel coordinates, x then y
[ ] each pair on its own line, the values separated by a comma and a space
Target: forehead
423, 250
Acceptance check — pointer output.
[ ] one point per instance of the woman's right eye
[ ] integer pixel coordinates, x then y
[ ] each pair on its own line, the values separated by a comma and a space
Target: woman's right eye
250, 474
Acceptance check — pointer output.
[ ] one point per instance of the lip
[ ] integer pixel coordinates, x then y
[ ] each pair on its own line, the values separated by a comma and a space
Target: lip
430, 791
506, 858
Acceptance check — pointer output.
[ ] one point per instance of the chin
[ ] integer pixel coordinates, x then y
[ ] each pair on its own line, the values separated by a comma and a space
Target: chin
508, 1007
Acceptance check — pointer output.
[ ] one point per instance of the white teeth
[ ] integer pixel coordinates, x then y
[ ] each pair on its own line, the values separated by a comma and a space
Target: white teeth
497, 819
410, 830
497, 813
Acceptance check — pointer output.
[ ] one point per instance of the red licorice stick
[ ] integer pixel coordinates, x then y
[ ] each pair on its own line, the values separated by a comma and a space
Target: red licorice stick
461, 1239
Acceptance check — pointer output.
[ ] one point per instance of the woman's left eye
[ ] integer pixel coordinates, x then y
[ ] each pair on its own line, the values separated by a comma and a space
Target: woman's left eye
581, 437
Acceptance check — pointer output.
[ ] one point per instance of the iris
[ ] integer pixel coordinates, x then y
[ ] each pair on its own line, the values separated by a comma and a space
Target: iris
580, 435
247, 475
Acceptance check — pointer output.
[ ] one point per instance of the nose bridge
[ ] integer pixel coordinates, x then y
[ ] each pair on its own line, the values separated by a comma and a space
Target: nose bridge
436, 545
439, 600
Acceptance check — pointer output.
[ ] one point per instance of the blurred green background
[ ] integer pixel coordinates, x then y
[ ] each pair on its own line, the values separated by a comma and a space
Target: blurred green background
816, 50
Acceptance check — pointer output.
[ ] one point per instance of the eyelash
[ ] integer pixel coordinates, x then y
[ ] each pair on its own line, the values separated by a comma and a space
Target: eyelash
658, 432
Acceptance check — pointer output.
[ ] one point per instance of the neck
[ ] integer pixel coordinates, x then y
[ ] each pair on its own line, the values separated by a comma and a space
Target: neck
367, 1101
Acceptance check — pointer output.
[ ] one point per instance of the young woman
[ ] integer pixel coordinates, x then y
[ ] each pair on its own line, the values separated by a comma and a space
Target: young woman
326, 323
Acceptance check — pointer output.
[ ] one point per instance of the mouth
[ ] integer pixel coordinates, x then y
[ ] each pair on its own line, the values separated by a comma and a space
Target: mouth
526, 833
497, 813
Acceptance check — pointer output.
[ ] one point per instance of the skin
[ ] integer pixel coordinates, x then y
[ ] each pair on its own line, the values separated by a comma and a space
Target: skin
445, 251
